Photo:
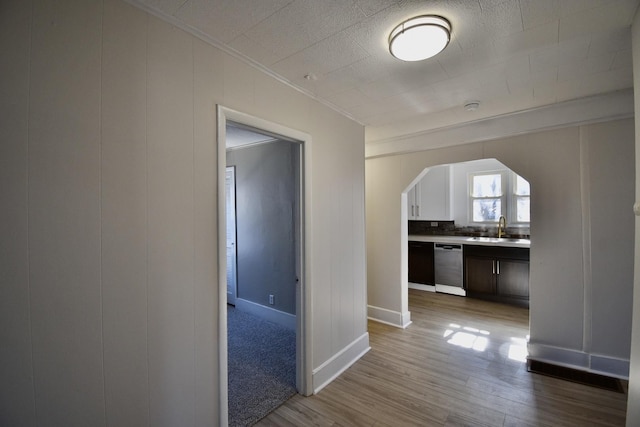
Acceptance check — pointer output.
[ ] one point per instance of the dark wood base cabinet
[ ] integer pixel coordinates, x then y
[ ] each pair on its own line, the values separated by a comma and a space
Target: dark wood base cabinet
497, 273
421, 263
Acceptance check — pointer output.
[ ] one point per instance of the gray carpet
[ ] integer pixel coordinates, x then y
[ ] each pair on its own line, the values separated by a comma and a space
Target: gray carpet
262, 367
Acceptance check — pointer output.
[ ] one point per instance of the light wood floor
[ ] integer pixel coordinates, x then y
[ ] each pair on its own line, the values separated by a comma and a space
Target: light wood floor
426, 375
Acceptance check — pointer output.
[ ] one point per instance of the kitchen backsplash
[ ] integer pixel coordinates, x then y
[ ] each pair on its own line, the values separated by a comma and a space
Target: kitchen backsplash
448, 228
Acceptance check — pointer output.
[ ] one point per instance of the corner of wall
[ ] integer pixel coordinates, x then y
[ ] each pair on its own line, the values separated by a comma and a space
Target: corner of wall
340, 362
389, 317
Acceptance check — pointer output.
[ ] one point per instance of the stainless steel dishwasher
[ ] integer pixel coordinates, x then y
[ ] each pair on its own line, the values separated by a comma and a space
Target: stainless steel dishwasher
447, 260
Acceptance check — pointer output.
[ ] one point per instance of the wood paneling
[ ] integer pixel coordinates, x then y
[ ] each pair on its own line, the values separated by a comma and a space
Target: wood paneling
207, 66
171, 200
64, 213
124, 214
418, 376
17, 395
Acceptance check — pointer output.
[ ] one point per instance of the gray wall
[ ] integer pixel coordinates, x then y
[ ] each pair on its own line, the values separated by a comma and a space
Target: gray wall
266, 189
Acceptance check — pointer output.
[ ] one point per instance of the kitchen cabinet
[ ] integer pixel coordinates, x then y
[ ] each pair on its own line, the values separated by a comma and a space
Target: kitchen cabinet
413, 203
480, 275
497, 273
429, 199
420, 261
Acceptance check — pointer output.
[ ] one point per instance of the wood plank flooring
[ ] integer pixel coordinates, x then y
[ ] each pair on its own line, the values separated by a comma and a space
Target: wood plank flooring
459, 364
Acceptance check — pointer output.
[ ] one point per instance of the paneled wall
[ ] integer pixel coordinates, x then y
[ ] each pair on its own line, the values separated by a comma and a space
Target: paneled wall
581, 272
108, 261
633, 410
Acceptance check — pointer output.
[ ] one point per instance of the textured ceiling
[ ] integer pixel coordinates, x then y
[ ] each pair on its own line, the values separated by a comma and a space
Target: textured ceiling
510, 55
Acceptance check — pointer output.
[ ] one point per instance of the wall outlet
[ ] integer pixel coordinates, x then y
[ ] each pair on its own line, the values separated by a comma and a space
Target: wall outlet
272, 299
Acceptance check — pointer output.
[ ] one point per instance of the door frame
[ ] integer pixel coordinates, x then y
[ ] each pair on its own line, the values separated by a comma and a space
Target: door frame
304, 370
232, 171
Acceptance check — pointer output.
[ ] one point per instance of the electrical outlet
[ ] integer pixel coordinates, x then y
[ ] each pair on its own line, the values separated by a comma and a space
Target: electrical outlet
272, 299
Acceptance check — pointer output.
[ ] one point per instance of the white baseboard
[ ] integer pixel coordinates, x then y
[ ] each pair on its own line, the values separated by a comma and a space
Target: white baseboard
610, 366
605, 365
421, 287
389, 317
276, 316
340, 362
454, 290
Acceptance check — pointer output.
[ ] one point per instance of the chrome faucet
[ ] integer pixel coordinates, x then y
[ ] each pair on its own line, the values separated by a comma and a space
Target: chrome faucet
502, 226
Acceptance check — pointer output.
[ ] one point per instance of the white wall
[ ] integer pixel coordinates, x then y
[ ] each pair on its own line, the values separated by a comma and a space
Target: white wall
571, 170
633, 409
109, 296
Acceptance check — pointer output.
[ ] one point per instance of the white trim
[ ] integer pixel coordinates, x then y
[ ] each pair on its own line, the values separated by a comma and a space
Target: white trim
557, 355
389, 317
199, 34
453, 290
223, 373
604, 365
340, 362
593, 109
267, 313
610, 366
504, 198
585, 211
421, 287
304, 377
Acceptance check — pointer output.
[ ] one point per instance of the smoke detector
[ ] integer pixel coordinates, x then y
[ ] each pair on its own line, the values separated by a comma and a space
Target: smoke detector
472, 106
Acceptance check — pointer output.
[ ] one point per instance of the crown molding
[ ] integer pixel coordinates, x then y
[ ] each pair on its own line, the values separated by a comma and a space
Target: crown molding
593, 109
236, 54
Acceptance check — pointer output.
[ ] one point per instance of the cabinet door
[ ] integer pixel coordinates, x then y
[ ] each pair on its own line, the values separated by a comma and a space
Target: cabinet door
412, 203
480, 275
513, 278
432, 193
421, 263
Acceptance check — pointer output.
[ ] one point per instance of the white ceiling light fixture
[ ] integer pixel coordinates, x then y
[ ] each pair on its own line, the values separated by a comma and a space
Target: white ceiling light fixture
420, 38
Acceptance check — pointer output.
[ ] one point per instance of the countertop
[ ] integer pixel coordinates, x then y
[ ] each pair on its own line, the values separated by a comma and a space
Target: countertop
467, 240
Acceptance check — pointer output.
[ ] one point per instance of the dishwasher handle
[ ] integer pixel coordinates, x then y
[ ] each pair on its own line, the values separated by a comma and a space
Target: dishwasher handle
447, 247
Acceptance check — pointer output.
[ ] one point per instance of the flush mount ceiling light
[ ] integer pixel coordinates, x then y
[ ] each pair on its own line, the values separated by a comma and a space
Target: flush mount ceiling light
419, 38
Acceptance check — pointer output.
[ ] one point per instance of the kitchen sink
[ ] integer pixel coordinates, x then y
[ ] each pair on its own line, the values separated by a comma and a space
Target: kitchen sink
497, 239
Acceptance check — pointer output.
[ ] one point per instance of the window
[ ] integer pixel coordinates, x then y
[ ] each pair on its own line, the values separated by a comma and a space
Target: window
487, 196
522, 199
496, 193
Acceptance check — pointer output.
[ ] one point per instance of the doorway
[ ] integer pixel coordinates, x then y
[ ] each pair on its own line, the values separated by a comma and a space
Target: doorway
462, 206
263, 300
230, 203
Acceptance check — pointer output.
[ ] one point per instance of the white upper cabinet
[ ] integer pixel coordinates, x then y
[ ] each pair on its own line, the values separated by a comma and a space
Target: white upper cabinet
429, 199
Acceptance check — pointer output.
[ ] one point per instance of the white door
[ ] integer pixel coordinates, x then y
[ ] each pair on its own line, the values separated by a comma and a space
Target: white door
232, 271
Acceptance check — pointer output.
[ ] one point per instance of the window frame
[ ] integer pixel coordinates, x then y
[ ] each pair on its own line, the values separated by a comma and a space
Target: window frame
508, 199
502, 197
514, 200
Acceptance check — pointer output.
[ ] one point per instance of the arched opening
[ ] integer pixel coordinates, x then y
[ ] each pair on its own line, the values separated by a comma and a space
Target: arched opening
468, 231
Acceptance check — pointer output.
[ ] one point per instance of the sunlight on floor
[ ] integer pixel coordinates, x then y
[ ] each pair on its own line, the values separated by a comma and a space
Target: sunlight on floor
518, 349
478, 340
467, 337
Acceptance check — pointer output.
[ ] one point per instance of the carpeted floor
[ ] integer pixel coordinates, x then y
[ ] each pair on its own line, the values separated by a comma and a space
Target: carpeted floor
262, 367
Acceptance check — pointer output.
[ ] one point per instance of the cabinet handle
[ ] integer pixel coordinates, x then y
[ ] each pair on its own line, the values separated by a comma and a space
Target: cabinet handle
413, 210
493, 267
498, 264
418, 210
